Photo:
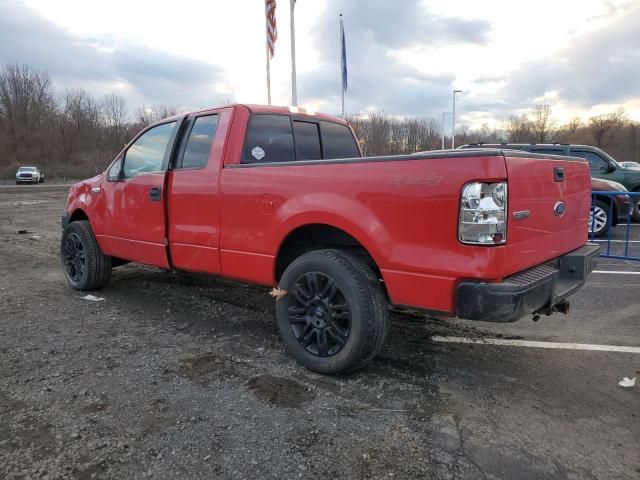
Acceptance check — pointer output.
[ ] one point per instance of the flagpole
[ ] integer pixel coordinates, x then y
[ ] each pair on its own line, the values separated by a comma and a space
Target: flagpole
294, 88
268, 77
266, 9
342, 59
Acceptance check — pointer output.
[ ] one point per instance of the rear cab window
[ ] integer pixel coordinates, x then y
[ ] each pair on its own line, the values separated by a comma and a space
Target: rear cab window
338, 141
273, 138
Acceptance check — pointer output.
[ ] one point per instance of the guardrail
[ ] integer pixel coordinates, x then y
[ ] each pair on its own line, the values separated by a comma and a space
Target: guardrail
606, 214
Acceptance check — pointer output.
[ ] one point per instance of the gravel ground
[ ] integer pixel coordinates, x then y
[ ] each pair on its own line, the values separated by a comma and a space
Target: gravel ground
177, 375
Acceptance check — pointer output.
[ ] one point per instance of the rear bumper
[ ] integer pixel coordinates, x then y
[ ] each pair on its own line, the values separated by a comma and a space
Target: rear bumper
536, 290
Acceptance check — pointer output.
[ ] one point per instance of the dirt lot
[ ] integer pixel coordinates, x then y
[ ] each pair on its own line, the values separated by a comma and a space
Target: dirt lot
184, 376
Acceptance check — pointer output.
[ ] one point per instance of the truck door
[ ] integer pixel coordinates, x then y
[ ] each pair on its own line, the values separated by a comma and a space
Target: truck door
134, 197
193, 196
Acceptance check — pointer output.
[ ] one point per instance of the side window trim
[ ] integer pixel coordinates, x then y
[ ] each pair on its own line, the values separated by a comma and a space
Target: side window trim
293, 134
176, 160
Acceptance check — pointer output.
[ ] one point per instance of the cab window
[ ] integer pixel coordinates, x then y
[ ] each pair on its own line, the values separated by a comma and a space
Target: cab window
338, 141
307, 141
596, 162
269, 139
196, 151
148, 151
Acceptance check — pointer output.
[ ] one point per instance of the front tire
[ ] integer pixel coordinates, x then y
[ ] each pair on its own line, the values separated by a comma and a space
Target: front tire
334, 317
635, 213
599, 219
84, 265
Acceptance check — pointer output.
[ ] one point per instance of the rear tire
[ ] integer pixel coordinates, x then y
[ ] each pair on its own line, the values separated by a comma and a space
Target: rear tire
334, 317
84, 265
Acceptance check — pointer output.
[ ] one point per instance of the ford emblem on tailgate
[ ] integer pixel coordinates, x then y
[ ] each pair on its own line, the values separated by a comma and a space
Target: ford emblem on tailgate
559, 209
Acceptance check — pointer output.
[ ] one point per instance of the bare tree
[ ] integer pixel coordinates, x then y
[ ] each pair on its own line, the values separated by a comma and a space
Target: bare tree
542, 123
146, 115
26, 105
518, 129
604, 126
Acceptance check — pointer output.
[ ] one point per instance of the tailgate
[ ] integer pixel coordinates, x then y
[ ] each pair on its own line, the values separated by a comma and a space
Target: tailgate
556, 193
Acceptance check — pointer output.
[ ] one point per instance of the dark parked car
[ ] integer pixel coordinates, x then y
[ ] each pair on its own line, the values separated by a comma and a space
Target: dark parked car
601, 164
29, 175
602, 209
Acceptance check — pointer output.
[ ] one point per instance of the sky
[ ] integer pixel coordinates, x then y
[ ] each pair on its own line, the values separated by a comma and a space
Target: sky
405, 57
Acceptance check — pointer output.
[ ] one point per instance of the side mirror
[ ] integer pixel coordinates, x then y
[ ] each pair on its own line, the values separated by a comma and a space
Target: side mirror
608, 168
115, 172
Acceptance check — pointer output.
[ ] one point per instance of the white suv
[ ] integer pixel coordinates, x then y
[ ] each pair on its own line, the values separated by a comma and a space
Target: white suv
29, 175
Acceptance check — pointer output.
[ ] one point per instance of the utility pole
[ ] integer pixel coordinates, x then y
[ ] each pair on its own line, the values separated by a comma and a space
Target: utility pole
453, 120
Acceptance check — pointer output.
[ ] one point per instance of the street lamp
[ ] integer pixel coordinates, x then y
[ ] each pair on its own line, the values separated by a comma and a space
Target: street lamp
443, 114
453, 120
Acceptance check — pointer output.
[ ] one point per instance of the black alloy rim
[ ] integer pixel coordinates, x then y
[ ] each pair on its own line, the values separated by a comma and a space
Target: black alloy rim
319, 314
74, 259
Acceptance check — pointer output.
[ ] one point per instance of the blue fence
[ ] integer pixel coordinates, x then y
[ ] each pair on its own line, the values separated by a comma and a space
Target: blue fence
611, 222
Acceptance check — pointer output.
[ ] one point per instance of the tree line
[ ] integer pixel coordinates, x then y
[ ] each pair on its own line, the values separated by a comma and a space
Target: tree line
73, 134
68, 135
382, 134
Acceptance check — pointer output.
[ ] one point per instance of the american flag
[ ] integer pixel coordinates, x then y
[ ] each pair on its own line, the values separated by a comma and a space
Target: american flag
272, 31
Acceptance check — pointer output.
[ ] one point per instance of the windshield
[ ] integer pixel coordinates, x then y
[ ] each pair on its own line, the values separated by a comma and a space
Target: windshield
27, 169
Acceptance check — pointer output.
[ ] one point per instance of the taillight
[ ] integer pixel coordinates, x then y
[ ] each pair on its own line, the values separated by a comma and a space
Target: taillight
483, 208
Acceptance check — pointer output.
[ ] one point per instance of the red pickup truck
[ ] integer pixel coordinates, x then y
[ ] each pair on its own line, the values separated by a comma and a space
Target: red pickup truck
282, 197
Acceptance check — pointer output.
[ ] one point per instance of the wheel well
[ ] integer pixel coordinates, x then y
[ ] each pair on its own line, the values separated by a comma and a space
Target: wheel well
315, 237
78, 215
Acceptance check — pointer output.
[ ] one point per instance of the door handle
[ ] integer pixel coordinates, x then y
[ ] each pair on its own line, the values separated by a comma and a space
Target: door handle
558, 174
155, 194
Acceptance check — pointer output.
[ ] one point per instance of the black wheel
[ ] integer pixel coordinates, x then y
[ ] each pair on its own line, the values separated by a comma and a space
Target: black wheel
83, 263
599, 219
334, 317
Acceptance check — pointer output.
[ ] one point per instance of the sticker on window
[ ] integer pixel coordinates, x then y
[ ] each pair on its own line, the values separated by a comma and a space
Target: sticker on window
258, 153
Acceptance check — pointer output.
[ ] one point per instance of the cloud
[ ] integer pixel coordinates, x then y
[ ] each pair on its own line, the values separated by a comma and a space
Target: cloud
144, 75
376, 30
602, 67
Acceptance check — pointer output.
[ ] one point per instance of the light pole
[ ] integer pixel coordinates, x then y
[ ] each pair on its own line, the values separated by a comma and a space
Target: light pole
453, 120
443, 114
